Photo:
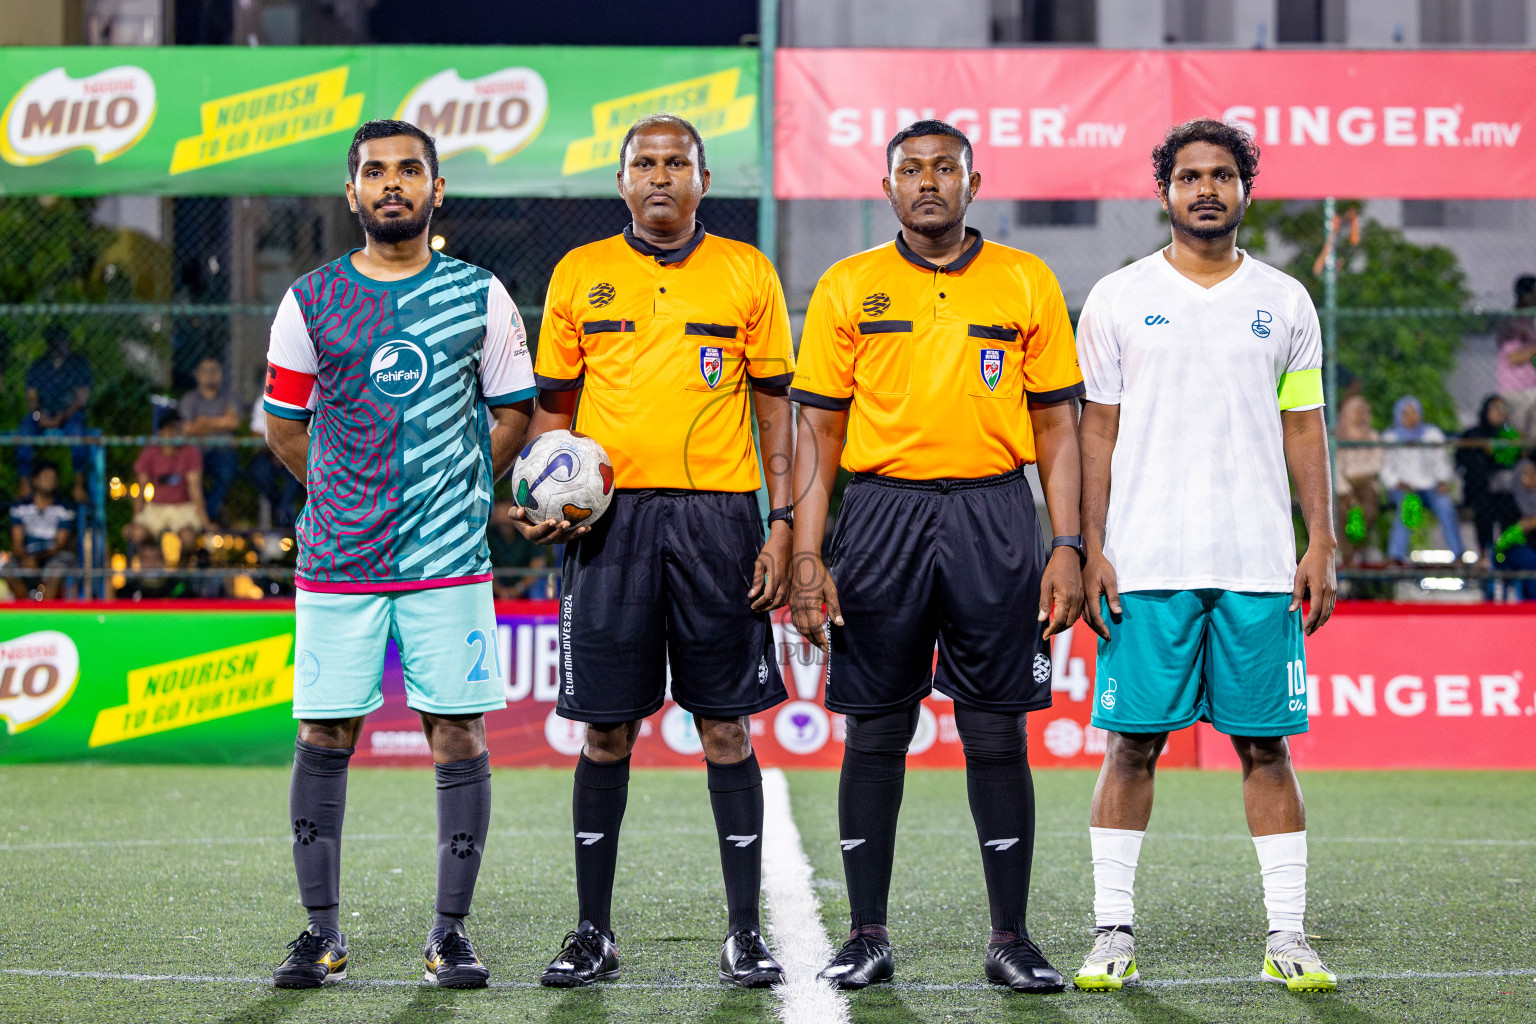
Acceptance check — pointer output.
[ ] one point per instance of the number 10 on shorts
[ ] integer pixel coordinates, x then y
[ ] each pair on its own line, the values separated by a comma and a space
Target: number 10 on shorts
1296, 684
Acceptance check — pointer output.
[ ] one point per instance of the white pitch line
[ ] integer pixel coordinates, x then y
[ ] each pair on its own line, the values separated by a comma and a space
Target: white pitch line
362, 837
223, 979
794, 915
665, 986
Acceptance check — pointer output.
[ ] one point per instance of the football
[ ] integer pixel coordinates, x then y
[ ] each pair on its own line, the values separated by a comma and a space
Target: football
563, 476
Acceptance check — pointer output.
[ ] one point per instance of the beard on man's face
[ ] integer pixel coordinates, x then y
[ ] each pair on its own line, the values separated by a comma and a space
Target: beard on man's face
391, 230
1184, 222
935, 229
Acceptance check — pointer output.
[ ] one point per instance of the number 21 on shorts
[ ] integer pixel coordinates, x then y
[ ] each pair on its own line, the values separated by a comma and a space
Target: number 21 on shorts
484, 644
1296, 684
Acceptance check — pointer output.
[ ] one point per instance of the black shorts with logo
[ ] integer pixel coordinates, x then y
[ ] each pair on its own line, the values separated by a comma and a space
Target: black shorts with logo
663, 578
952, 561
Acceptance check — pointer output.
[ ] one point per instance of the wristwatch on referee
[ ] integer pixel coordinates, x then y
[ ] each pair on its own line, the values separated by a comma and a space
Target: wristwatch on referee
1073, 541
786, 514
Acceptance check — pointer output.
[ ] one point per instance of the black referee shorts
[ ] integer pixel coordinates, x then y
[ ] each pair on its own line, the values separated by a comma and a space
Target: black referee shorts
952, 561
663, 577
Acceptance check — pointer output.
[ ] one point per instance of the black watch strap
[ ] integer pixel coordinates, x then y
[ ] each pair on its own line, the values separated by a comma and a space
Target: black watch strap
1073, 541
785, 514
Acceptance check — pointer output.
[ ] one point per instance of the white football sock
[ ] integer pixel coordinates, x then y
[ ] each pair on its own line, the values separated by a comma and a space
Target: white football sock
1115, 853
1283, 863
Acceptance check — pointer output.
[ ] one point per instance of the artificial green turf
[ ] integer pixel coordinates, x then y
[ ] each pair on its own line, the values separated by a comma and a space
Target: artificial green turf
1374, 907
187, 871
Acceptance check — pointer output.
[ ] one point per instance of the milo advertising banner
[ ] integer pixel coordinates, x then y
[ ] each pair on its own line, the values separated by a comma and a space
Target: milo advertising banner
523, 121
147, 685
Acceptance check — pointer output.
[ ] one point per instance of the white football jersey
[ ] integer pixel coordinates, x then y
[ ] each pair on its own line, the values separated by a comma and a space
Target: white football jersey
1199, 494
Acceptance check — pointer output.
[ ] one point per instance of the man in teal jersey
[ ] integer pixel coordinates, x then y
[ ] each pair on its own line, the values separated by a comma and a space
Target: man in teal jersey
399, 388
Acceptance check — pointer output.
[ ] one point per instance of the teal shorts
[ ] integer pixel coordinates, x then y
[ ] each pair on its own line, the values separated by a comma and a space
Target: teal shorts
1175, 657
447, 642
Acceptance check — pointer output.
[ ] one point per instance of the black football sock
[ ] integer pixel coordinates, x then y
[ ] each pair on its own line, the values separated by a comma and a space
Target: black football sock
868, 802
317, 802
1002, 796
736, 795
597, 806
463, 818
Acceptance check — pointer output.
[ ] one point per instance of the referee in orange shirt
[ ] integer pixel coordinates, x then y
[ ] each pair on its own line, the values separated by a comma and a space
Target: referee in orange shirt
935, 367
673, 339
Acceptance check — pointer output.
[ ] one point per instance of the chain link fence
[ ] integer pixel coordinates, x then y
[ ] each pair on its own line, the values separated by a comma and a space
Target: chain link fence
114, 311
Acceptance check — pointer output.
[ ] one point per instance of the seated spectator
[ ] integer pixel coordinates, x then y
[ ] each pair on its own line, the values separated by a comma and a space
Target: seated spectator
42, 535
1485, 473
58, 390
1355, 477
207, 411
170, 498
1421, 471
1516, 373
509, 549
1517, 547
283, 492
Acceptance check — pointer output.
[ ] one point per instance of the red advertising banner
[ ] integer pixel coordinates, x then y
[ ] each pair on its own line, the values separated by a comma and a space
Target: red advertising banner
1079, 124
1395, 686
1388, 686
800, 733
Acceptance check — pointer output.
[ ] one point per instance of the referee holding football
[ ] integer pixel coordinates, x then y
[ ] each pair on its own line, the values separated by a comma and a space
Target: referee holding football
947, 363
673, 338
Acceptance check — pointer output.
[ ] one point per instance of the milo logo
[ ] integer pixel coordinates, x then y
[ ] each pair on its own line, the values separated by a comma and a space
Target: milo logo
38, 673
398, 368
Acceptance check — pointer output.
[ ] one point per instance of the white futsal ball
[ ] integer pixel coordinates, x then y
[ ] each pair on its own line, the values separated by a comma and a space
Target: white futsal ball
562, 476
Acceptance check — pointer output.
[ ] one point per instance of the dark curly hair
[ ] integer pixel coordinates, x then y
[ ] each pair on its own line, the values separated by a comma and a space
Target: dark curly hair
1245, 152
370, 130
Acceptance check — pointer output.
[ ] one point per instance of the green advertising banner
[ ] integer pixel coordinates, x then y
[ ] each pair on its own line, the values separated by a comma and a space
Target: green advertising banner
148, 685
509, 121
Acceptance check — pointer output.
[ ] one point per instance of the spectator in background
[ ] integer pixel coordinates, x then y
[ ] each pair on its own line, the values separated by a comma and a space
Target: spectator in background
271, 477
509, 549
1355, 477
1517, 547
1417, 477
170, 498
1517, 350
58, 390
1485, 473
207, 411
42, 534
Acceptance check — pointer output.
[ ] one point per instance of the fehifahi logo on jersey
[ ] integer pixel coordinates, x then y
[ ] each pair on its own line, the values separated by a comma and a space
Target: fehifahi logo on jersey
106, 113
1261, 321
600, 295
497, 114
876, 304
398, 367
991, 367
711, 362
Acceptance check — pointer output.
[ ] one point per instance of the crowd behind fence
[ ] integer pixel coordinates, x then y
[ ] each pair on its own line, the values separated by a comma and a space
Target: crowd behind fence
133, 335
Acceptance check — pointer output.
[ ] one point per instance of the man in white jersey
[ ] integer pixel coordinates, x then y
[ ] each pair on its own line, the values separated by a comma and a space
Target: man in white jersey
1204, 383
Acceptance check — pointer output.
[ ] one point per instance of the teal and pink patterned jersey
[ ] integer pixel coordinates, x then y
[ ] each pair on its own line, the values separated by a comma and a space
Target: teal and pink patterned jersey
396, 378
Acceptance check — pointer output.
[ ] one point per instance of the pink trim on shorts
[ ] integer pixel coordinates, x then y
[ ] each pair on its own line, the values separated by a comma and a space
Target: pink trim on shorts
383, 586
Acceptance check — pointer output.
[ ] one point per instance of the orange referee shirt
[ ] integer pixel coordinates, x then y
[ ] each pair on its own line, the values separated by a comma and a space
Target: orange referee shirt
664, 345
937, 364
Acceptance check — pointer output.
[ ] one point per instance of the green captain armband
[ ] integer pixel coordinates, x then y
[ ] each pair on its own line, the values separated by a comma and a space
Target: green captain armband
1304, 387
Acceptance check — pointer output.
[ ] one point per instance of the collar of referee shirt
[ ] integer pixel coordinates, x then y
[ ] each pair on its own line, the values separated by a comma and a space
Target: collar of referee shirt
665, 257
960, 262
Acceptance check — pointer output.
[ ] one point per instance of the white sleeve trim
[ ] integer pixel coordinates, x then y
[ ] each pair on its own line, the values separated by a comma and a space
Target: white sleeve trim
505, 365
291, 346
